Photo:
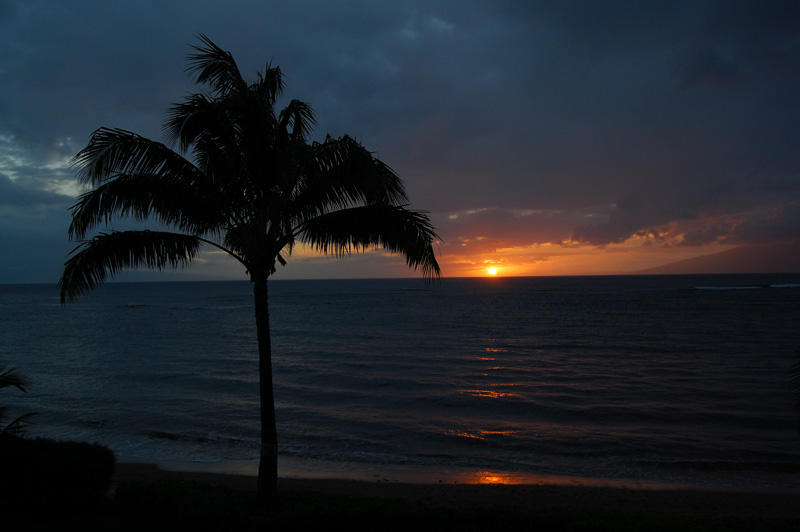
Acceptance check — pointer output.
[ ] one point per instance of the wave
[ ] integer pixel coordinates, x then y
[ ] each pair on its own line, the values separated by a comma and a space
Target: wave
788, 467
727, 287
210, 307
197, 438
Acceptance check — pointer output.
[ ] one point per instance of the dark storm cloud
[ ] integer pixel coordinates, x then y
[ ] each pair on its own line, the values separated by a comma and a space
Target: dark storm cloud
13, 194
743, 41
515, 123
32, 233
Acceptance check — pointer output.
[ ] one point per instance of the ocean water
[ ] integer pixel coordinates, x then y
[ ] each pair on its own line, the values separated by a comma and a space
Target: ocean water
651, 378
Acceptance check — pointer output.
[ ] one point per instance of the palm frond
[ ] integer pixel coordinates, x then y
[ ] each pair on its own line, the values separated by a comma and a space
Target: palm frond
18, 426
108, 253
192, 209
393, 228
12, 377
214, 66
116, 151
341, 173
269, 86
297, 117
228, 135
189, 119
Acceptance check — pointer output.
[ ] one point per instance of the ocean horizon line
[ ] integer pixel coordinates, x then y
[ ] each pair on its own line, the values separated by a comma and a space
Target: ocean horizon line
189, 279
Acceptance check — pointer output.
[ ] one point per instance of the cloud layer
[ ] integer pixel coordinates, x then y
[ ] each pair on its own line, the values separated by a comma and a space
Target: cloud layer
525, 126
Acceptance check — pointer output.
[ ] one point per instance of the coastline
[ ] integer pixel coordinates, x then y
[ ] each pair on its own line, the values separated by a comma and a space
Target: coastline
310, 469
528, 491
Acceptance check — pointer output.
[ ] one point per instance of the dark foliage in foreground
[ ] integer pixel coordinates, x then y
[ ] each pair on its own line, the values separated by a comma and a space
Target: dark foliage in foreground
12, 377
52, 477
176, 505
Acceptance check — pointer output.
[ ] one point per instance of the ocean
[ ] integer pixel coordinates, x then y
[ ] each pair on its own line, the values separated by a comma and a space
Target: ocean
678, 379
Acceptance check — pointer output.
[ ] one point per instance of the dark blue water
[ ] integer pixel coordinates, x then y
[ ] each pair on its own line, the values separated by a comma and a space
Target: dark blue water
673, 378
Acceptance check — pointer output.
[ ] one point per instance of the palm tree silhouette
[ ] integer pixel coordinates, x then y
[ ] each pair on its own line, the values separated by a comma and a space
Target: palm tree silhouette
253, 186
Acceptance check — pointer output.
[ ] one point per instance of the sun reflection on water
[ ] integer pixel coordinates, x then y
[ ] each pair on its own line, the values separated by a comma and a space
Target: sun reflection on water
490, 477
482, 434
487, 393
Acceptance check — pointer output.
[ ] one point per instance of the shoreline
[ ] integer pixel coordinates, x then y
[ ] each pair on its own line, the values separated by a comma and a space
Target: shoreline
662, 500
308, 469
532, 491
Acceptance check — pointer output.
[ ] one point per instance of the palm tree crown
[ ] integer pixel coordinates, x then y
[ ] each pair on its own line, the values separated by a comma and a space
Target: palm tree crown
253, 187
245, 179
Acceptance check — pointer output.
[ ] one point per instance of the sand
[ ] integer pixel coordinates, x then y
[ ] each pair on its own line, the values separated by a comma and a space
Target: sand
541, 492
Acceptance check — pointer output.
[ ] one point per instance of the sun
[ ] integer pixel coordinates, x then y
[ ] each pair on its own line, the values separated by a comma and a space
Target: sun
491, 271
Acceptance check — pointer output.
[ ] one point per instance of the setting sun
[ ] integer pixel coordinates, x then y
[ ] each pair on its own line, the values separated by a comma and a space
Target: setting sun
492, 271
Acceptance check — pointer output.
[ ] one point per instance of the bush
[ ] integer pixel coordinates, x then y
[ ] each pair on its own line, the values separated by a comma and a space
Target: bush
52, 473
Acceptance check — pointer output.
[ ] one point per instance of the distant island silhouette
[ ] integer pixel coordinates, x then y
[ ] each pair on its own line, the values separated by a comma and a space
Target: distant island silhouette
751, 258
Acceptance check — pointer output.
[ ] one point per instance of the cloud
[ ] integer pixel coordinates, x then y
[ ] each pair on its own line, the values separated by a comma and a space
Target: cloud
533, 123
33, 233
19, 196
740, 42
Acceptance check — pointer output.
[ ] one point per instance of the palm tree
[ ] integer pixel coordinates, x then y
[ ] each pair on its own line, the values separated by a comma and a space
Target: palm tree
246, 180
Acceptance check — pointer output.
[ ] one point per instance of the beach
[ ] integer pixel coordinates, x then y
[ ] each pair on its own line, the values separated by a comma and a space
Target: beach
546, 492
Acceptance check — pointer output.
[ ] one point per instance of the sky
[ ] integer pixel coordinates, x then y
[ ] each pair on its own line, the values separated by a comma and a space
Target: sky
543, 138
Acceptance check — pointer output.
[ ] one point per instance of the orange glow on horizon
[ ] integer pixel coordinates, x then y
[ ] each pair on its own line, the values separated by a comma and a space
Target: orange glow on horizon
551, 259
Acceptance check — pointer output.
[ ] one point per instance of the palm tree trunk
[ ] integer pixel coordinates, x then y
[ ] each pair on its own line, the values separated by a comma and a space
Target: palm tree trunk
268, 466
